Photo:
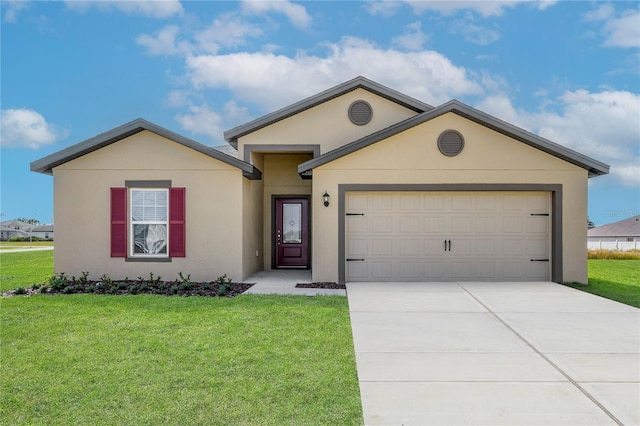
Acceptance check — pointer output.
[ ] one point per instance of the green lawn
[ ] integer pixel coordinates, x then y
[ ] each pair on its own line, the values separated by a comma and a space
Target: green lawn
119, 360
25, 268
614, 279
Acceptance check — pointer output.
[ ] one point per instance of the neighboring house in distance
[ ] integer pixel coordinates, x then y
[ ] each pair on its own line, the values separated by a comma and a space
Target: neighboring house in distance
621, 235
357, 183
14, 228
43, 231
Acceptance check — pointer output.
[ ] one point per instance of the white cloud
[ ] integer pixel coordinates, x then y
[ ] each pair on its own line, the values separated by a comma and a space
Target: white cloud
201, 120
412, 39
483, 8
603, 125
260, 77
25, 128
227, 31
619, 29
12, 8
475, 33
149, 8
382, 8
296, 13
164, 42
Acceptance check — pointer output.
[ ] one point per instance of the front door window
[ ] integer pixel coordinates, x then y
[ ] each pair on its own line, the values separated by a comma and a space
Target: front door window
291, 223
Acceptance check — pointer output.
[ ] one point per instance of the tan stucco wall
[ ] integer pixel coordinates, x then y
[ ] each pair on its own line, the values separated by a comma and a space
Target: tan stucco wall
328, 124
413, 157
280, 175
213, 199
252, 218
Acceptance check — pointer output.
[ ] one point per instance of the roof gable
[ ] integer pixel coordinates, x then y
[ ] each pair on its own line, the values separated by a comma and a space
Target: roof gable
629, 227
594, 167
357, 83
46, 164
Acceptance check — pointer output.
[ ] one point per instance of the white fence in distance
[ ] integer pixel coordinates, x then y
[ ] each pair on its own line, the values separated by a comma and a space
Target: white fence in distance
613, 245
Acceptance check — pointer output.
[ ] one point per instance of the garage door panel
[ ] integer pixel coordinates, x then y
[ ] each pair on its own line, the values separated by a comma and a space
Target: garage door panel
512, 224
434, 225
435, 271
410, 248
410, 224
357, 225
381, 270
461, 224
410, 270
382, 247
381, 224
357, 247
493, 236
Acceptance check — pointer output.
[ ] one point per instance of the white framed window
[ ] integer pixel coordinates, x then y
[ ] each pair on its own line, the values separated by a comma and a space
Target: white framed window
149, 222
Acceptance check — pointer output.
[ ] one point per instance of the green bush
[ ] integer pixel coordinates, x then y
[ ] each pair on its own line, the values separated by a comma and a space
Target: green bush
26, 239
21, 290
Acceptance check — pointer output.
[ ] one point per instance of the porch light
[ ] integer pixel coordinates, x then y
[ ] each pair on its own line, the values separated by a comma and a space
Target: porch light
325, 197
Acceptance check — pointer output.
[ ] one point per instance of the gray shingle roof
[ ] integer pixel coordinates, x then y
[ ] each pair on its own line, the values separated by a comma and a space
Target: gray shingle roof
629, 227
594, 167
46, 164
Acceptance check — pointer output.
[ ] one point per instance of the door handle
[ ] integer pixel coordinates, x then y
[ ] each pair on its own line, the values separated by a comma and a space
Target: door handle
449, 245
445, 245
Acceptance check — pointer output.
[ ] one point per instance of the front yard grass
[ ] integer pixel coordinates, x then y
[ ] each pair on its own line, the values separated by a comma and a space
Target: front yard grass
22, 269
116, 360
614, 279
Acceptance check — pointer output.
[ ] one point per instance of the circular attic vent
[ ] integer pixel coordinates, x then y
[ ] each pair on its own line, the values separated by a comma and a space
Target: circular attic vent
360, 113
450, 143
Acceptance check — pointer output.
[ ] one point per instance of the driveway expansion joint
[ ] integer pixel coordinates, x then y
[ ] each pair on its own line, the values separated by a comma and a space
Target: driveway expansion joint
543, 356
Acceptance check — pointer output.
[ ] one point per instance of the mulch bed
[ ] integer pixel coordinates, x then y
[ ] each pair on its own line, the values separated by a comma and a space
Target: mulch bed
125, 287
327, 285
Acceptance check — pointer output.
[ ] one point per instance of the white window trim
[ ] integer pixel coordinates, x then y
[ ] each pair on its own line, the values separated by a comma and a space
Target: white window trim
130, 232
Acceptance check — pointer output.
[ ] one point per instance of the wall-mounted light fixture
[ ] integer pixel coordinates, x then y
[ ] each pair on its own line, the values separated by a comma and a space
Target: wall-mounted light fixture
325, 197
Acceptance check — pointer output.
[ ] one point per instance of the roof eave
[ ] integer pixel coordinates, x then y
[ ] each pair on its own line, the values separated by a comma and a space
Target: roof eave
232, 135
594, 167
47, 164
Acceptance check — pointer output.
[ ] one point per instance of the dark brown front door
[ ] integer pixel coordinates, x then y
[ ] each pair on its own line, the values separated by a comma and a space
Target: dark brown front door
291, 232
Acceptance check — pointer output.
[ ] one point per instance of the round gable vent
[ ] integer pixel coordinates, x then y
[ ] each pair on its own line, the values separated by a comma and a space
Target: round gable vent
360, 112
450, 143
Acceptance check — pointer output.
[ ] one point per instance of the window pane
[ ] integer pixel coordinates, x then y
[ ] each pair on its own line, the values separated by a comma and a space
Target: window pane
149, 239
291, 223
149, 206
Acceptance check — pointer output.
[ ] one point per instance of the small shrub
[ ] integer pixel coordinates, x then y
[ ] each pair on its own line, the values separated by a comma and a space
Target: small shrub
206, 286
58, 282
90, 289
69, 289
122, 285
144, 288
35, 286
133, 289
174, 289
184, 279
84, 277
20, 290
106, 280
186, 286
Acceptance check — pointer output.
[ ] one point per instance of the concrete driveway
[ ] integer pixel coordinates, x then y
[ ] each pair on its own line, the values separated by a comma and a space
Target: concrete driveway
495, 354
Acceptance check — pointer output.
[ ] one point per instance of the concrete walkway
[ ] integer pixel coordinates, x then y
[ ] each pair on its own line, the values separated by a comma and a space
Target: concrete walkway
22, 249
283, 281
494, 354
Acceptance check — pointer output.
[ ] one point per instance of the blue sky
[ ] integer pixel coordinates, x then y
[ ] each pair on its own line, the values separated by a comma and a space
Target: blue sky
568, 71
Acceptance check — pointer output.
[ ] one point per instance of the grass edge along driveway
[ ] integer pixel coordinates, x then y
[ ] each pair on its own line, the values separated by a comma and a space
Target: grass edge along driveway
264, 360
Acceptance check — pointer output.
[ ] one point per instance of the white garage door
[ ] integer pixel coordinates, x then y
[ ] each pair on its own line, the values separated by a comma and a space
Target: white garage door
447, 236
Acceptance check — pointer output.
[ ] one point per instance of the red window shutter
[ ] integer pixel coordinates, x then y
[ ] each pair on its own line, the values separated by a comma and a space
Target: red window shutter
118, 222
177, 216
